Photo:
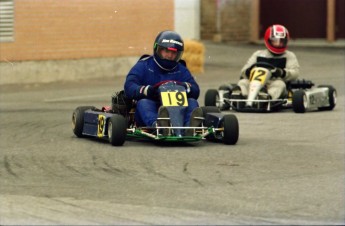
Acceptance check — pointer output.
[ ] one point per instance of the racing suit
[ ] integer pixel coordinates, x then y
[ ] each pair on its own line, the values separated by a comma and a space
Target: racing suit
276, 86
147, 72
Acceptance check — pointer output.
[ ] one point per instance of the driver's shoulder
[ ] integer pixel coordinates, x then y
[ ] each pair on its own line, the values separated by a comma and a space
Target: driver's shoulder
183, 62
262, 53
289, 53
145, 57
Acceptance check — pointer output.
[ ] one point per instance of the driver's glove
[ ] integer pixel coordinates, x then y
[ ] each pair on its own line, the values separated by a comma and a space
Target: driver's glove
278, 73
187, 85
148, 91
247, 72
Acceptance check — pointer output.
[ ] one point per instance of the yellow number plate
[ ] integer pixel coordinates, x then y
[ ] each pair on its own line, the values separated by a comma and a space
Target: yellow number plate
175, 98
258, 74
101, 125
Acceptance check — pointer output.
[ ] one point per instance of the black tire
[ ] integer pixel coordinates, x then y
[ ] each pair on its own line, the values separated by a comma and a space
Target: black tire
332, 98
78, 120
117, 130
230, 133
211, 97
299, 101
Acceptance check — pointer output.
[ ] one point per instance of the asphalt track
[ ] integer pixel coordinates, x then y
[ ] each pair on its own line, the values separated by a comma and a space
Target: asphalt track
286, 168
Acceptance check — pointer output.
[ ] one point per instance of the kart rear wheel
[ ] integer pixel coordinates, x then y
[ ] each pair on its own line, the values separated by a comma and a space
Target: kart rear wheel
117, 130
212, 98
230, 133
78, 120
332, 98
299, 101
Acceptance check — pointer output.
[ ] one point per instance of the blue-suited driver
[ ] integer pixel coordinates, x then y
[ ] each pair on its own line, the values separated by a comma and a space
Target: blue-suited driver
164, 65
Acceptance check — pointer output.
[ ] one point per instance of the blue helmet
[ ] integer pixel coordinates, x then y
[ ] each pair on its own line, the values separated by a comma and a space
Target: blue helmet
169, 41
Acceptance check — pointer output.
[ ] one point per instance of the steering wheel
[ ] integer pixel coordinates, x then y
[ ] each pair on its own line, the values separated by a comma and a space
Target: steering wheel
263, 64
167, 81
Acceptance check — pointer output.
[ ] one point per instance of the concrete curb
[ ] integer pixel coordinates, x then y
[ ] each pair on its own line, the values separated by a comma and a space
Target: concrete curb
63, 70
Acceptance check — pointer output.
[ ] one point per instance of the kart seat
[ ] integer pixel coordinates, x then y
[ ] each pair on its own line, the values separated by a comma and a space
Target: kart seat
121, 104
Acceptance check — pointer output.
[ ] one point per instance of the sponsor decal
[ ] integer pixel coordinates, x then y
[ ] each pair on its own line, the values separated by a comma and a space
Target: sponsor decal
172, 41
279, 32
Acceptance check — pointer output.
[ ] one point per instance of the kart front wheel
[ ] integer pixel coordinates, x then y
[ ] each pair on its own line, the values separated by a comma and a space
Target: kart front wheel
78, 120
299, 101
212, 98
230, 132
117, 130
332, 98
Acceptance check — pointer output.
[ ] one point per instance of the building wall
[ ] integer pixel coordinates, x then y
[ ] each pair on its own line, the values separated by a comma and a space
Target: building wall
235, 19
225, 20
208, 20
301, 23
74, 29
340, 19
246, 20
187, 18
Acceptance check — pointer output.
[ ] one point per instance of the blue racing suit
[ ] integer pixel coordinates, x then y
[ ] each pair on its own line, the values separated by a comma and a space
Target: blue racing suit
147, 72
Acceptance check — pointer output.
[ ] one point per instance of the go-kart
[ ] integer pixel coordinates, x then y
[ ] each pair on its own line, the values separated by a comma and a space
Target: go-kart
300, 94
116, 123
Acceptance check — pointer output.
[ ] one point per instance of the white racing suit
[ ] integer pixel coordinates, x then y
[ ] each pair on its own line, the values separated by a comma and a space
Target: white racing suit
276, 86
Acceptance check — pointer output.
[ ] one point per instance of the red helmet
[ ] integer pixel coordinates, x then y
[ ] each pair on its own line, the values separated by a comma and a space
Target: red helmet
276, 39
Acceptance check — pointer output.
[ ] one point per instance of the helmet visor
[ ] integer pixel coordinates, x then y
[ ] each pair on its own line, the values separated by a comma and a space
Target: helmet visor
169, 53
278, 42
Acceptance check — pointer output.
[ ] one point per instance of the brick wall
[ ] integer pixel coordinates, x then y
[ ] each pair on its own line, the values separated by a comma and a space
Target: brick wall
74, 29
234, 20
208, 10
